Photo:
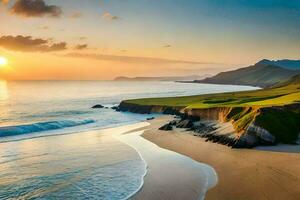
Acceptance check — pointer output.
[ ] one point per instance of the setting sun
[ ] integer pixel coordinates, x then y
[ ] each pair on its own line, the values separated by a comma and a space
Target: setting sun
3, 61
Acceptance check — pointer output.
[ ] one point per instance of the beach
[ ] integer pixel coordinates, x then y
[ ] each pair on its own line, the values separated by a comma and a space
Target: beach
243, 174
170, 175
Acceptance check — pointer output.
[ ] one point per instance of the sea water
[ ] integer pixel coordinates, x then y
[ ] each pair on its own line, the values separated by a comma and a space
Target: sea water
49, 143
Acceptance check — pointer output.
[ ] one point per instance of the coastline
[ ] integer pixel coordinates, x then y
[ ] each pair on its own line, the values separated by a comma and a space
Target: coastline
268, 116
243, 173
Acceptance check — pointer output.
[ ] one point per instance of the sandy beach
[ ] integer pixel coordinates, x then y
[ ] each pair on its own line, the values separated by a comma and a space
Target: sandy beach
243, 174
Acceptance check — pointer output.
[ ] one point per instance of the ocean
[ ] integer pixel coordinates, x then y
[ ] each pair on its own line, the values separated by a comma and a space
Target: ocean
51, 146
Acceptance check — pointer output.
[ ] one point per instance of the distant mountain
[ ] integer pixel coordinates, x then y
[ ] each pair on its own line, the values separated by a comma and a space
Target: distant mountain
288, 64
262, 74
166, 78
295, 80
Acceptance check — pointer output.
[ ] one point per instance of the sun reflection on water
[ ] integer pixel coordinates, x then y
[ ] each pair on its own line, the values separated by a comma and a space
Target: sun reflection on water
3, 90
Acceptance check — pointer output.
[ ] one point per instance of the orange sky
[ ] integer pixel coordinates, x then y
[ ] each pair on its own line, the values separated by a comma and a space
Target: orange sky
105, 39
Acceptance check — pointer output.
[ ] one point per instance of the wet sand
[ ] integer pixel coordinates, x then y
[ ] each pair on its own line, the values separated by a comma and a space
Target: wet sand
244, 174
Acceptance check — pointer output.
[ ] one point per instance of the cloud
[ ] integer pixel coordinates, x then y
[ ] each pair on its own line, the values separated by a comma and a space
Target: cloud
28, 44
4, 2
35, 8
44, 27
167, 46
82, 38
81, 46
76, 15
132, 59
109, 17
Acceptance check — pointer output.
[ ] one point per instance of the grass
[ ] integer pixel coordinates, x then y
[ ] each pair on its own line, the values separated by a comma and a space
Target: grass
263, 98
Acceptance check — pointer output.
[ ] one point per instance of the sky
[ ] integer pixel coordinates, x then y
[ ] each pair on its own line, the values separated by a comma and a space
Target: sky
103, 39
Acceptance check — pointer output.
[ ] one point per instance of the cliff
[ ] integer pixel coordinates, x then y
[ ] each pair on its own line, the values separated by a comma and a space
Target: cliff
253, 125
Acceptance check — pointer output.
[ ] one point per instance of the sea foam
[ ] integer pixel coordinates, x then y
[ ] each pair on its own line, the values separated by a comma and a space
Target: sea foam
40, 126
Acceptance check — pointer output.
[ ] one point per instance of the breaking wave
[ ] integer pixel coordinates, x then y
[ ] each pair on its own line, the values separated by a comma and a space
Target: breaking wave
40, 126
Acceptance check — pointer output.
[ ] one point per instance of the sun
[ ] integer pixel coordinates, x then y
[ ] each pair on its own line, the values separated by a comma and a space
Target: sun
3, 61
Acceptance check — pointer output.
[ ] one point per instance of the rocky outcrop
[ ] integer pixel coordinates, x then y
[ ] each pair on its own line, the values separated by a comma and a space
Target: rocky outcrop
260, 133
166, 127
186, 123
179, 123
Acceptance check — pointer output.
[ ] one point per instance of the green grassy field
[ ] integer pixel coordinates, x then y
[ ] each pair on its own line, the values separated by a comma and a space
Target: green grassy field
284, 93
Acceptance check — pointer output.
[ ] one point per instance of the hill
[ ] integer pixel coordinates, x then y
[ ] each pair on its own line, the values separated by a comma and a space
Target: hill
261, 74
295, 80
163, 78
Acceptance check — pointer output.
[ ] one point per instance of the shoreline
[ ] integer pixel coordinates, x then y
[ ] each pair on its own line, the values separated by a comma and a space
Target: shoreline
169, 175
133, 128
243, 173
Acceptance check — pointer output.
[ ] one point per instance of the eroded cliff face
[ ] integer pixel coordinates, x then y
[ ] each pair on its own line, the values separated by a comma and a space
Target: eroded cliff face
243, 119
218, 113
253, 125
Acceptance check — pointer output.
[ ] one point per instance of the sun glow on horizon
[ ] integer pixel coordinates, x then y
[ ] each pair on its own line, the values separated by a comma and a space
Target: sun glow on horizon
3, 61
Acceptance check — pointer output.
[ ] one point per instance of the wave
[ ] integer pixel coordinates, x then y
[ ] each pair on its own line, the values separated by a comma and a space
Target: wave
40, 126
58, 113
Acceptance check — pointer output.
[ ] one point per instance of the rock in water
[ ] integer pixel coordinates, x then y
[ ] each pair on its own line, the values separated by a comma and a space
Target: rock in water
150, 118
116, 108
98, 106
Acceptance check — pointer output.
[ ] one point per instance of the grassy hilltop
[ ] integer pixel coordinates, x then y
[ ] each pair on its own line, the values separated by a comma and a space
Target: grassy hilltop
281, 94
275, 109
